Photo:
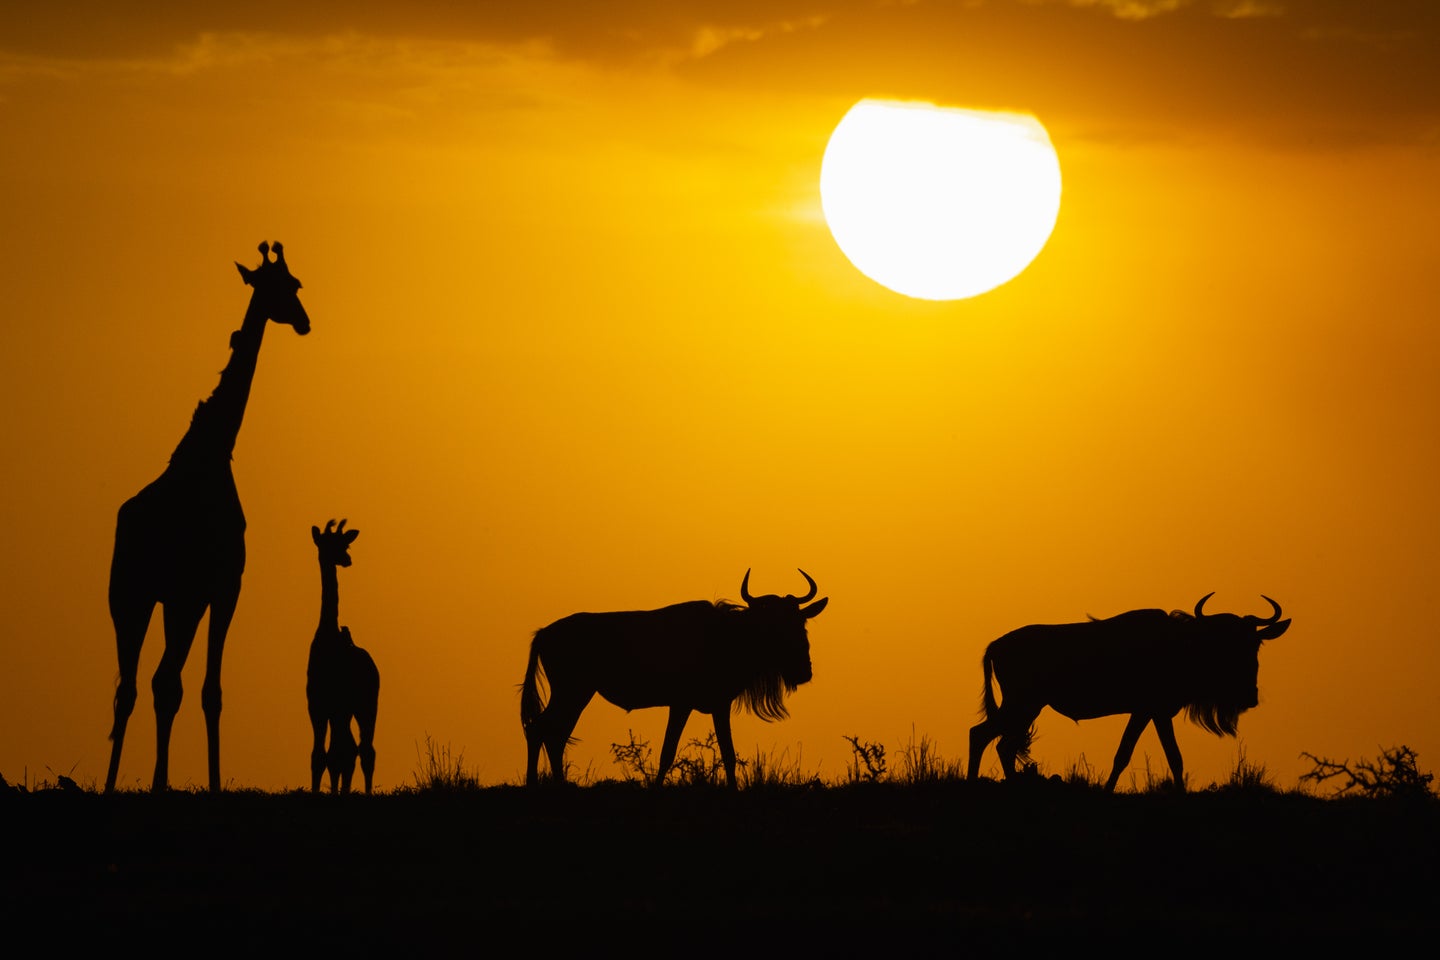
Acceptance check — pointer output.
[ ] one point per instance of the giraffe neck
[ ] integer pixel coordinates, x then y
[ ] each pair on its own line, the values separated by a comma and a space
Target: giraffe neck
329, 601
216, 422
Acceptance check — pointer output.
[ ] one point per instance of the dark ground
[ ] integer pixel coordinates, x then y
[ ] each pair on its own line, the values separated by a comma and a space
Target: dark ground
977, 868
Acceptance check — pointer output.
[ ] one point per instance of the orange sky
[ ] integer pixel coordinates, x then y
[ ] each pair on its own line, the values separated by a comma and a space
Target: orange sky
582, 341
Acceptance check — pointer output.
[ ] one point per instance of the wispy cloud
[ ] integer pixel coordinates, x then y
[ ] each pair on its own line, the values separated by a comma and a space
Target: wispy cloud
1132, 9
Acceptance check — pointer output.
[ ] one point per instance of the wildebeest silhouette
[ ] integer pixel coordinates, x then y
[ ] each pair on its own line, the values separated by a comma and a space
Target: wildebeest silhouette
1147, 663
689, 656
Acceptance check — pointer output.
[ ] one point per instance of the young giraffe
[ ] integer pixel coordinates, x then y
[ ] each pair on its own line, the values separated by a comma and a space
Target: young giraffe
341, 681
180, 542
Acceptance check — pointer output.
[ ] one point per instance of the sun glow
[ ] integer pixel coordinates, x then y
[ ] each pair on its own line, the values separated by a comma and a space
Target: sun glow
939, 203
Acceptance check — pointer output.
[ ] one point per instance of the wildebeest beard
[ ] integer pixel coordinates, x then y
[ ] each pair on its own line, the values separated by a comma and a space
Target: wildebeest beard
1221, 718
765, 696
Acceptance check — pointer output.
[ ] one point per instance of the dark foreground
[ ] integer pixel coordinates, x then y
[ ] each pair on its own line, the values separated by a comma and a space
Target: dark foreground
980, 868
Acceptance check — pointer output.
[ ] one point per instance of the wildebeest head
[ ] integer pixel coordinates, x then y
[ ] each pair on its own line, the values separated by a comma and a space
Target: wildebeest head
1226, 662
776, 625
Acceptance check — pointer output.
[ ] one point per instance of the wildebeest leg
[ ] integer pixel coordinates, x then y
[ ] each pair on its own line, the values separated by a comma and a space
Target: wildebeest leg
673, 728
1165, 727
1015, 722
533, 742
558, 722
726, 742
980, 736
1127, 746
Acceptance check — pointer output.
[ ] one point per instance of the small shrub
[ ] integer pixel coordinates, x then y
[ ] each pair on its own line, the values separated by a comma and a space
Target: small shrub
633, 759
1395, 774
867, 762
698, 763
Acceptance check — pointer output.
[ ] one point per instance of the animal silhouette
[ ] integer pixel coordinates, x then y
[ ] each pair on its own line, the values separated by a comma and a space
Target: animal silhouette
690, 656
180, 542
1147, 663
341, 681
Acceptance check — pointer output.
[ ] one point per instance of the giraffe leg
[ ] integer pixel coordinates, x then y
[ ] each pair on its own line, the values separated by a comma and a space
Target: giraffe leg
222, 611
317, 752
180, 624
342, 754
131, 623
365, 720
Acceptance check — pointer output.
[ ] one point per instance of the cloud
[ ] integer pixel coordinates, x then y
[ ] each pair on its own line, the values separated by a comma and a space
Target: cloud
1246, 9
707, 39
1134, 9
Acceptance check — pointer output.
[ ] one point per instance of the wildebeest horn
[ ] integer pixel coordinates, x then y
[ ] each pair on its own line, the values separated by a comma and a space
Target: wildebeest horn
813, 589
745, 589
1275, 612
1199, 607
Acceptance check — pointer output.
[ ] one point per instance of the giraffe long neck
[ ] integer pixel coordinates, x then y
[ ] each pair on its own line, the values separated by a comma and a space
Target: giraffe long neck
329, 601
216, 423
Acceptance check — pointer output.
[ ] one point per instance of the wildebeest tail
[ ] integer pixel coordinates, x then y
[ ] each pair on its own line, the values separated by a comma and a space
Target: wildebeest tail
988, 706
531, 702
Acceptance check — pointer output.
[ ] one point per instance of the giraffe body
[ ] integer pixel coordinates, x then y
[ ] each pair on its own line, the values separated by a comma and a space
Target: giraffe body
180, 541
342, 682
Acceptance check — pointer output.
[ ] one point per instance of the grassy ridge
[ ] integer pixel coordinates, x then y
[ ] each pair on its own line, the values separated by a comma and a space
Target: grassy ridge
695, 869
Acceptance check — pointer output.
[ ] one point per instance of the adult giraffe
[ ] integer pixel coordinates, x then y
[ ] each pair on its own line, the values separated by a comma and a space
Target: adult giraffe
180, 542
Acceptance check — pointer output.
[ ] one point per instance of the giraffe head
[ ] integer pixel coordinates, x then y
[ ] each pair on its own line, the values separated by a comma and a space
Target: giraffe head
334, 543
277, 292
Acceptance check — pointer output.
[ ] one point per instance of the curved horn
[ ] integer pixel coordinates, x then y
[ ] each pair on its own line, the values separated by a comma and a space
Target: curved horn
813, 589
330, 527
1275, 611
745, 589
1199, 607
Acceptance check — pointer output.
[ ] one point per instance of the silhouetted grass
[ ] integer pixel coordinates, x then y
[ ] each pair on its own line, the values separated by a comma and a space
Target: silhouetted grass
442, 771
919, 863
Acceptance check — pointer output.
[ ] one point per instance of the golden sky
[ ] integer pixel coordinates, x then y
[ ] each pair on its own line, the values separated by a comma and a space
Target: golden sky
582, 341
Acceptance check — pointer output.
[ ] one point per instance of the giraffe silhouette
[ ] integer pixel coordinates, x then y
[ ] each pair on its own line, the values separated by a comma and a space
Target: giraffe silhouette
180, 542
341, 681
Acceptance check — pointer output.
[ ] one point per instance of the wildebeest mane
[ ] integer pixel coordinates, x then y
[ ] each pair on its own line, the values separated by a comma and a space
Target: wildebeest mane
764, 693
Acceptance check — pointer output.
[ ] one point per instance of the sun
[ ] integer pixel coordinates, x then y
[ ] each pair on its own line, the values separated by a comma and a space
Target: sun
939, 203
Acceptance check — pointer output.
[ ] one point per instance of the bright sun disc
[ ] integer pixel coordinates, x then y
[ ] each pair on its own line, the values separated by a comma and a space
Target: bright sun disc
939, 203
